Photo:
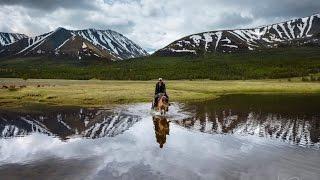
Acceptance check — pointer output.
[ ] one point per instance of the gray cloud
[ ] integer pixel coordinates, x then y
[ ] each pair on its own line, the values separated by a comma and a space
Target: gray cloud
232, 20
49, 4
151, 23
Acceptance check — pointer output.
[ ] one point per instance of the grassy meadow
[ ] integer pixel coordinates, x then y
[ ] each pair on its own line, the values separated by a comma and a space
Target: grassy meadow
16, 93
95, 83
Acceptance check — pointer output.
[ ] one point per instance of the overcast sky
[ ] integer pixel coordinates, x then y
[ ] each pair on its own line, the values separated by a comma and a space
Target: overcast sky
150, 23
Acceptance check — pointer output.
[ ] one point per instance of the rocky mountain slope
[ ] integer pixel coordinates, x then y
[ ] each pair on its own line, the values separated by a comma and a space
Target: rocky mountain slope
106, 44
297, 32
9, 38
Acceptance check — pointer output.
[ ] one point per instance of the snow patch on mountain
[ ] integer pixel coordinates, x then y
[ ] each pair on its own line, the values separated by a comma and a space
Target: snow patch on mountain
296, 32
113, 42
9, 38
99, 43
34, 42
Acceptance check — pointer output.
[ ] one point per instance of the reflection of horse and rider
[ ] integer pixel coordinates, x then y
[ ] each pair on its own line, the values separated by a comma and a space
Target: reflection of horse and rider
161, 127
161, 99
161, 104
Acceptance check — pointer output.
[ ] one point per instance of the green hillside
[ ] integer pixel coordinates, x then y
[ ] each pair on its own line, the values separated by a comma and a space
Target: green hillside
279, 63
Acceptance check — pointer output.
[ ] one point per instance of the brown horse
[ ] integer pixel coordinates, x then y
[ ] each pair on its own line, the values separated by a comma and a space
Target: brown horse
163, 105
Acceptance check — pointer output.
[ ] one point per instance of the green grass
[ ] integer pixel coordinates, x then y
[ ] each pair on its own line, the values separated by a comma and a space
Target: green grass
96, 93
288, 67
271, 64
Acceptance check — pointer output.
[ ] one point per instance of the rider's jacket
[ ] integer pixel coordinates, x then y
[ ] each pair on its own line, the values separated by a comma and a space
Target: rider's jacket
160, 88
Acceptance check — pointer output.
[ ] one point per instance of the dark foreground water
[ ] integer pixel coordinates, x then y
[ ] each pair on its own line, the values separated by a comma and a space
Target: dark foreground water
243, 137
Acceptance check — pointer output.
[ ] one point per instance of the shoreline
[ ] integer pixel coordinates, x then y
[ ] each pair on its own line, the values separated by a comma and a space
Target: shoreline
106, 93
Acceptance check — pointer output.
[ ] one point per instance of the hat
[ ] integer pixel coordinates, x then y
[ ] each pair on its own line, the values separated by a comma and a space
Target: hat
160, 79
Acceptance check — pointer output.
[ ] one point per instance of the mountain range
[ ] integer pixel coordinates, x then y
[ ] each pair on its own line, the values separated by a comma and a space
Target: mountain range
294, 33
108, 44
105, 44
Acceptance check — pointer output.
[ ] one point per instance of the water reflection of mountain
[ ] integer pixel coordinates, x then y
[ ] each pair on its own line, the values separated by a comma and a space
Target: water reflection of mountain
295, 123
91, 123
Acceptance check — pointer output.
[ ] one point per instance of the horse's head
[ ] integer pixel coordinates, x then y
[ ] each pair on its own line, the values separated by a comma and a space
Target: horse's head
164, 99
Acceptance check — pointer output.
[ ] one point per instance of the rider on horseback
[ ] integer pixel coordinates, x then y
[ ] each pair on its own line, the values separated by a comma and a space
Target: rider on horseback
159, 91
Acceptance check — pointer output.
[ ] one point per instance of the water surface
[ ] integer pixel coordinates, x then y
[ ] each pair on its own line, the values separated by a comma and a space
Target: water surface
234, 137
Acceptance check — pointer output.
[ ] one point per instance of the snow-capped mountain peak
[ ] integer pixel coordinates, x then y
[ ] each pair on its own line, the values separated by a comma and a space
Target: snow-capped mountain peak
296, 32
112, 41
9, 38
106, 44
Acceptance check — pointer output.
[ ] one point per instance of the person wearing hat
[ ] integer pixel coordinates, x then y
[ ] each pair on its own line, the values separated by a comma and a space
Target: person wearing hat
160, 89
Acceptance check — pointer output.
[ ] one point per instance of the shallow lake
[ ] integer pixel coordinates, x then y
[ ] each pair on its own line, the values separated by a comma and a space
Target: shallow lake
233, 137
